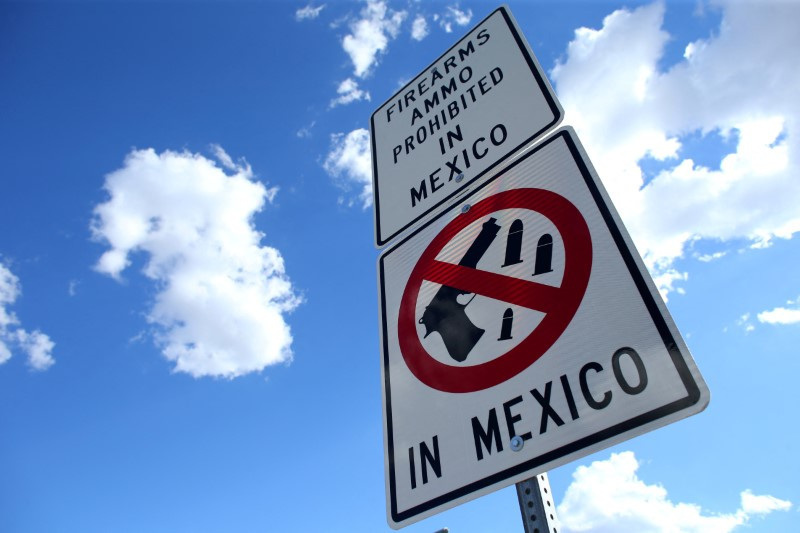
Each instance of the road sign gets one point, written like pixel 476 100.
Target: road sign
pixel 461 117
pixel 521 331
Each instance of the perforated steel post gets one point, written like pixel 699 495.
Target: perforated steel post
pixel 537 506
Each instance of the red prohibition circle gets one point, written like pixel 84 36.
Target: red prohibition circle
pixel 558 303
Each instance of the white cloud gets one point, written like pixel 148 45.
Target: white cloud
pixel 370 35
pixel 419 28
pixel 782 315
pixel 9 292
pixel 350 162
pixel 222 296
pixel 349 92
pixel 39 348
pixel 738 84
pixel 608 496
pixel 308 12
pixel 36 345
pixel 453 15
pixel 754 504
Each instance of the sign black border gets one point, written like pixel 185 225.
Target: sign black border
pixel 544 86
pixel 693 391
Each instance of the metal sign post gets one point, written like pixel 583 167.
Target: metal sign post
pixel 537 506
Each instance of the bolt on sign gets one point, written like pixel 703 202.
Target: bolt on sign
pixel 520 330
pixel 460 118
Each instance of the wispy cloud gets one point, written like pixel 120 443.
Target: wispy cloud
pixel 308 12
pixel 666 278
pixel 369 35
pixel 626 108
pixel 453 15
pixel 36 345
pixel 745 323
pixel 419 28
pixel 305 131
pixel 609 496
pixel 72 288
pixel 349 92
pixel 707 258
pixel 349 162
pixel 221 296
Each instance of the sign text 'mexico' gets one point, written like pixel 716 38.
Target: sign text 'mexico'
pixel 461 117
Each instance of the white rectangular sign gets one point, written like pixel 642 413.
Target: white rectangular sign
pixel 520 331
pixel 465 114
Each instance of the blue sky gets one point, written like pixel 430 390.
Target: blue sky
pixel 188 306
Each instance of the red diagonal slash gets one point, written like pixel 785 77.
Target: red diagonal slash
pixel 559 304
pixel 536 296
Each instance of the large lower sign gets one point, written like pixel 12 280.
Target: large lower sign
pixel 520 331
pixel 461 117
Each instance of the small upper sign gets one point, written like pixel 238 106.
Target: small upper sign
pixel 465 114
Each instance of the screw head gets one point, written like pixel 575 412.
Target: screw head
pixel 465 208
pixel 459 177
pixel 517 443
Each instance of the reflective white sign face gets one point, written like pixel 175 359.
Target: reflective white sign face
pixel 461 117
pixel 521 331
